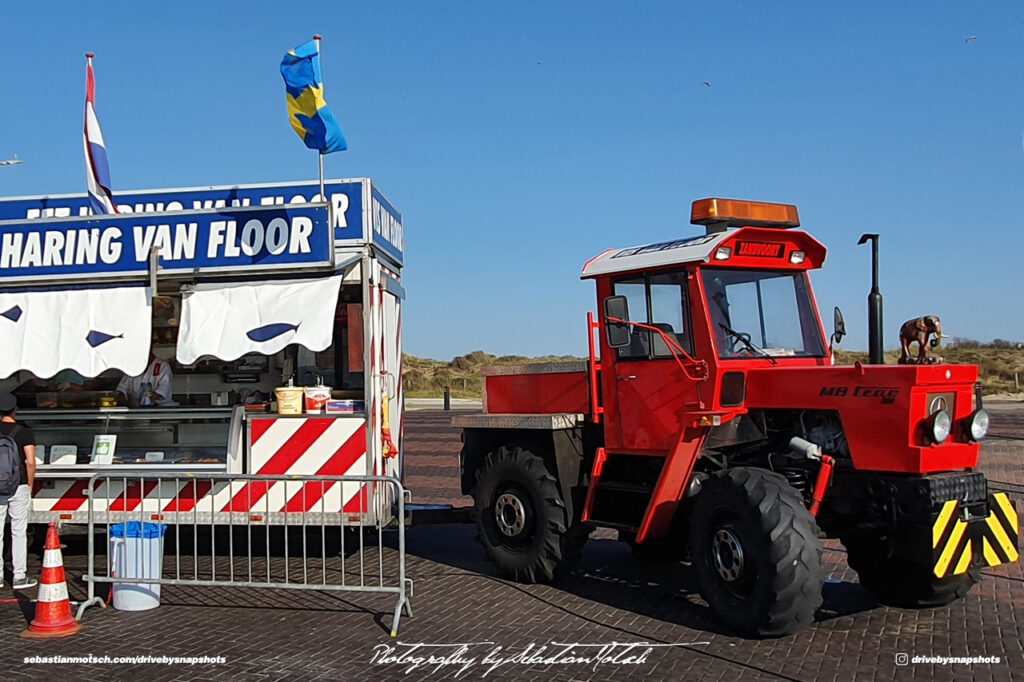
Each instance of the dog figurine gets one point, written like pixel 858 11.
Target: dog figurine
pixel 919 329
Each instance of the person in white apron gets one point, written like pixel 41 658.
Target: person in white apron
pixel 152 387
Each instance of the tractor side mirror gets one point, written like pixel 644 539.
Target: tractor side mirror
pixel 617 332
pixel 838 325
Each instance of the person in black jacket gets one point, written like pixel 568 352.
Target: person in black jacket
pixel 20 502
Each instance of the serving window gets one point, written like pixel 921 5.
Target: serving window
pixel 161 437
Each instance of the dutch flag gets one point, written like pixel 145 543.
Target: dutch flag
pixel 97 172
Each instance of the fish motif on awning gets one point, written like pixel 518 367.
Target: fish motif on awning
pixel 13 314
pixel 271 331
pixel 95 338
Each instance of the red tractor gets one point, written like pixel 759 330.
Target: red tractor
pixel 714 427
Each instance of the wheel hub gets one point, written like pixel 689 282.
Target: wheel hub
pixel 510 514
pixel 728 555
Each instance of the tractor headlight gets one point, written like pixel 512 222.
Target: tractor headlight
pixel 977 424
pixel 939 426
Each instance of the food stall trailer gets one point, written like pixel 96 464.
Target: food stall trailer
pixel 239 289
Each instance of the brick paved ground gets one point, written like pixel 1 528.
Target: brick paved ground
pixel 613 597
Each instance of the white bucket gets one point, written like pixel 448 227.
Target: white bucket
pixel 316 398
pixel 136 557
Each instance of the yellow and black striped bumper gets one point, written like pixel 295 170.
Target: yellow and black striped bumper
pixel 958 543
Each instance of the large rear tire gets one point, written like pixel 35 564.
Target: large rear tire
pixel 756 551
pixel 521 519
pixel 894 581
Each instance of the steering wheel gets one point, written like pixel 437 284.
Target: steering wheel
pixel 739 343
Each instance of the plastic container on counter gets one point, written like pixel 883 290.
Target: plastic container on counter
pixel 316 398
pixel 289 399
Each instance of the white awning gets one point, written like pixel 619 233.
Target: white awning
pixel 228 320
pixel 87 330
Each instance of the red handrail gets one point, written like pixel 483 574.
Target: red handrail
pixel 702 365
pixel 592 366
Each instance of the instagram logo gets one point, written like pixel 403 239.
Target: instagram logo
pixel 902 659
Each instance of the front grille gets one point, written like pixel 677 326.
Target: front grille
pixel 942 401
pixel 955 486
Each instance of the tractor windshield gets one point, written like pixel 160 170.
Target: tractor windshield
pixel 758 312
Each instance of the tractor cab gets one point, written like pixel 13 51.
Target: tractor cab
pixel 687 319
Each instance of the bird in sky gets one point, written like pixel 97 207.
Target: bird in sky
pixel 11 162
pixel 539 63
pixel 970 38
pixel 706 83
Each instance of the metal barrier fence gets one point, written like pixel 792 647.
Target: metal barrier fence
pixel 310 549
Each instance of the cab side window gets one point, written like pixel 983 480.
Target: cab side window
pixel 667 294
pixel 635 291
pixel 660 301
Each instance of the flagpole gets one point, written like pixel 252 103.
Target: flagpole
pixel 85 133
pixel 317 38
pixel 322 197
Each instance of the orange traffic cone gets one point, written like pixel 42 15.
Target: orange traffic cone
pixel 53 610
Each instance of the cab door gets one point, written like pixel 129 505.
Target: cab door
pixel 652 390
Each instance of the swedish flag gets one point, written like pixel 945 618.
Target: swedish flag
pixel 307 111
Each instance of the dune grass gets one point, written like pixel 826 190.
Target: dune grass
pixel 1001 367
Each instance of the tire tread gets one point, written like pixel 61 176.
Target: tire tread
pixel 561 546
pixel 796 572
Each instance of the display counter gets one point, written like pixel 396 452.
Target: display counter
pixel 157 438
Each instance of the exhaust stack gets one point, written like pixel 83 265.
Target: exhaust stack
pixel 875 352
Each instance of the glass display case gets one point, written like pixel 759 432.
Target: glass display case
pixel 178 439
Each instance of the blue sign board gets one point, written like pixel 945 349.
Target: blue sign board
pixel 359 212
pixel 270 237
pixel 386 223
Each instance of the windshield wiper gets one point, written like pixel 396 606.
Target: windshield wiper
pixel 745 340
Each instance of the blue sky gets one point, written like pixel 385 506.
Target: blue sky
pixel 520 139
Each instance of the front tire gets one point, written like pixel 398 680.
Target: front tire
pixel 521 519
pixel 894 581
pixel 756 551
